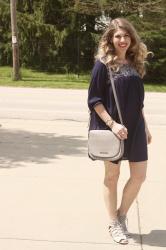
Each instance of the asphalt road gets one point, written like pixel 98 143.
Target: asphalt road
pixel 54 104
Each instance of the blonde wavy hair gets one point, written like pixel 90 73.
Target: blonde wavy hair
pixel 136 53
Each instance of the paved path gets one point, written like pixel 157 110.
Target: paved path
pixel 51 193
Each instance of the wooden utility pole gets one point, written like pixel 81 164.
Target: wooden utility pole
pixel 15 47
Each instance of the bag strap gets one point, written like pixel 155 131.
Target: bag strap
pixel 115 94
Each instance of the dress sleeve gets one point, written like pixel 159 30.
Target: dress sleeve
pixel 142 94
pixel 96 92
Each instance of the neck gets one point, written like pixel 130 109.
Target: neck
pixel 121 57
pixel 122 60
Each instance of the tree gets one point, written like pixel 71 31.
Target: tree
pixel 61 35
pixel 127 7
pixel 5 34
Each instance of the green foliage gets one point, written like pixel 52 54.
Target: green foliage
pixel 156 41
pixel 60 35
pixel 41 38
pixel 5 34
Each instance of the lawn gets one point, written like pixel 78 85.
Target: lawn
pixel 31 78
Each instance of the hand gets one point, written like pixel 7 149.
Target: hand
pixel 148 136
pixel 119 130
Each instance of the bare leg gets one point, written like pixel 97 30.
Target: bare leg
pixel 110 188
pixel 132 187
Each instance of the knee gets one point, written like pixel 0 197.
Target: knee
pixel 111 179
pixel 138 178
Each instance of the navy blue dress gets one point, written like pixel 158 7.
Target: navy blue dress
pixel 130 93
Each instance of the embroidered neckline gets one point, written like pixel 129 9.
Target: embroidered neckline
pixel 125 70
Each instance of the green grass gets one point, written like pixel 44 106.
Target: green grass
pixel 155 88
pixel 32 78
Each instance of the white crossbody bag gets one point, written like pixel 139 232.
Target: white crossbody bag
pixel 104 144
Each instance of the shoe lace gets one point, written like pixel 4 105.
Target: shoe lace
pixel 116 229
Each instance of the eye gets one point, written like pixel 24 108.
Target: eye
pixel 118 36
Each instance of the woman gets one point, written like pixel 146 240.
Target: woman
pixel 121 49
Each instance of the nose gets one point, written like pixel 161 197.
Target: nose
pixel 122 39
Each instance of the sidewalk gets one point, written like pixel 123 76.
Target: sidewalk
pixel 51 193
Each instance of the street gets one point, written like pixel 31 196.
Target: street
pixel 52 193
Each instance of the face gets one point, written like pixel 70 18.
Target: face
pixel 121 41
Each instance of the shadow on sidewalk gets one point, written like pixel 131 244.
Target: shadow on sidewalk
pixel 21 146
pixel 154 238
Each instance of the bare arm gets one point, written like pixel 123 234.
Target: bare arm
pixel 146 125
pixel 117 128
pixel 148 134
pixel 103 114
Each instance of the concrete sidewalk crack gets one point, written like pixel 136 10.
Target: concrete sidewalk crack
pixel 139 224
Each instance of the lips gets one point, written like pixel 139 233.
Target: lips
pixel 122 45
